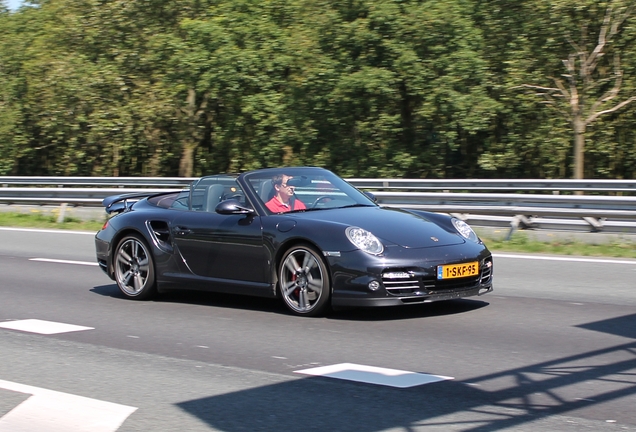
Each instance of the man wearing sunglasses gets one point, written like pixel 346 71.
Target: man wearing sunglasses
pixel 284 199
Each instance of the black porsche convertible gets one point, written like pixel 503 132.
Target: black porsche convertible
pixel 301 233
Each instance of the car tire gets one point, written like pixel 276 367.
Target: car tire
pixel 303 281
pixel 134 268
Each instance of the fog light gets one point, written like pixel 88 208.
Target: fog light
pixel 374 285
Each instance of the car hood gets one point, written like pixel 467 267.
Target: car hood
pixel 391 226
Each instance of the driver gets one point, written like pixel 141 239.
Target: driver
pixel 284 200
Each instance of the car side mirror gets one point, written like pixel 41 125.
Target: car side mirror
pixel 371 196
pixel 232 206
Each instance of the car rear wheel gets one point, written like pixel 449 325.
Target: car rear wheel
pixel 304 281
pixel 134 268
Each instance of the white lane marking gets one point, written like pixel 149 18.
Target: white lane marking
pixel 555 258
pixel 374 375
pixel 53 411
pixel 56 231
pixel 42 327
pixel 58 261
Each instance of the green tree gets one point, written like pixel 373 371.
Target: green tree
pixel 586 92
pixel 407 89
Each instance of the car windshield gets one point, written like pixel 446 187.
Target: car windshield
pixel 304 189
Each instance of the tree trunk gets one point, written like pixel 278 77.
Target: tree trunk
pixel 579 147
pixel 186 164
pixel 116 161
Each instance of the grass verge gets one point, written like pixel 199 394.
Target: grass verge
pixel 47 220
pixel 615 247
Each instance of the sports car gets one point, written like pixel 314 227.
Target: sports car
pixel 324 244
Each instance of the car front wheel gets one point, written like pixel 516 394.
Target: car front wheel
pixel 134 268
pixel 304 281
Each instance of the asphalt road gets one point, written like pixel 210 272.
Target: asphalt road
pixel 552 348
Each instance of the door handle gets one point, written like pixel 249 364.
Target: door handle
pixel 182 231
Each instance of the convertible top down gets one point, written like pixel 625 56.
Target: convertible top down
pixel 300 233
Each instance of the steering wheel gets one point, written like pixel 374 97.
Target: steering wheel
pixel 320 198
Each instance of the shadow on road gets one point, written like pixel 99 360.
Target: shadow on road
pixel 108 291
pixel 446 307
pixel 242 302
pixel 522 398
pixel 624 326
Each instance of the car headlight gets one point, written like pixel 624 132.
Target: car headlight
pixel 465 230
pixel 364 240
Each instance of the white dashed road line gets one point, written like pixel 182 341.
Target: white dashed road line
pixel 56 231
pixel 374 375
pixel 58 261
pixel 53 411
pixel 42 327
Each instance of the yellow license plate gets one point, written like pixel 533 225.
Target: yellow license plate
pixel 458 270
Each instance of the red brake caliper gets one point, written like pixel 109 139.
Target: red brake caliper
pixel 297 290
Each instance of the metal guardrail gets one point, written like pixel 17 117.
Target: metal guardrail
pixel 528 185
pixel 74 196
pixel 60 181
pixel 530 203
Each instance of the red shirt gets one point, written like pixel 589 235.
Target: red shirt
pixel 278 207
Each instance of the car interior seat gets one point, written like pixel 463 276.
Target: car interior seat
pixel 214 194
pixel 266 190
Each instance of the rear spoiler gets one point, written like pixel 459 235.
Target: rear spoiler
pixel 120 203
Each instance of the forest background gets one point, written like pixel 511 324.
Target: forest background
pixel 366 88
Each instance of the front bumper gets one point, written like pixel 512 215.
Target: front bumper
pixel 354 275
pixel 400 301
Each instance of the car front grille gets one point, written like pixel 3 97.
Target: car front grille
pixel 398 284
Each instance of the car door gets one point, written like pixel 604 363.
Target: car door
pixel 228 247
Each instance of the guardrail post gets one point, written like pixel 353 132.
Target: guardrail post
pixel 516 221
pixel 596 224
pixel 60 217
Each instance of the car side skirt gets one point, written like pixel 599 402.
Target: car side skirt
pixel 176 281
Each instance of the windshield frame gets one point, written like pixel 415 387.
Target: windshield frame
pixel 310 183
